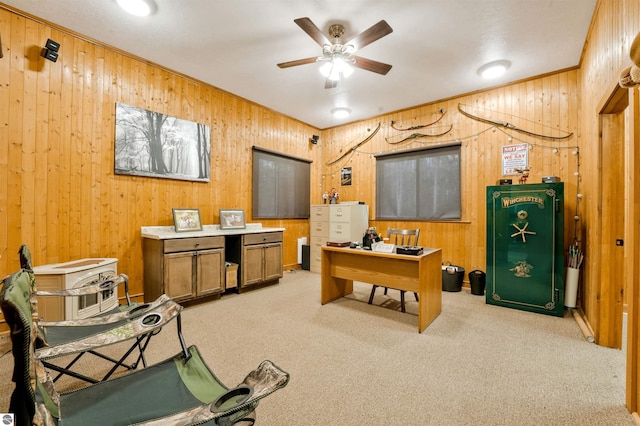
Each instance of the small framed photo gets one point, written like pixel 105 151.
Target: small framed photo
pixel 187 220
pixel 232 219
pixel 345 176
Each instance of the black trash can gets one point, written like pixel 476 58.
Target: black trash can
pixel 477 279
pixel 452 277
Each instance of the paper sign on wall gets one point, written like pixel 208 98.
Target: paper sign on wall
pixel 514 157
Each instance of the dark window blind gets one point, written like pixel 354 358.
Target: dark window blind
pixel 422 184
pixel 281 185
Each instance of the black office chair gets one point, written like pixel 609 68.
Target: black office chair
pixel 399 237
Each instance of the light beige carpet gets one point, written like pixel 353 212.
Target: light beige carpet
pixel 357 364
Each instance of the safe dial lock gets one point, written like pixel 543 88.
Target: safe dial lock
pixel 522 231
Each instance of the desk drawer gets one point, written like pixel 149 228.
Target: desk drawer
pixel 185 244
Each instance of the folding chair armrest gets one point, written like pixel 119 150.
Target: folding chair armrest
pixel 109 283
pixel 265 379
pixel 140 324
pixel 134 312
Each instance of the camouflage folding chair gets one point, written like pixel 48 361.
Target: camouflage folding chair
pixel 181 390
pixel 84 336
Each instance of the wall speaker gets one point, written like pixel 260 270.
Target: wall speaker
pixel 50 50
pixel 314 139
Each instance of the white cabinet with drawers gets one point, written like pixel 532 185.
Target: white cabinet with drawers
pixel 336 223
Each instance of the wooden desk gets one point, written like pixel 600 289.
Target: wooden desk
pixel 419 274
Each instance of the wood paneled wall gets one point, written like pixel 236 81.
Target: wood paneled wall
pixel 546 105
pixel 58 191
pixel 606 54
pixel 59 195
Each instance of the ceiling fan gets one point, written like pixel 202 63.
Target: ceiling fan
pixel 338 57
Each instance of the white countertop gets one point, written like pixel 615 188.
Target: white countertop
pixel 168 232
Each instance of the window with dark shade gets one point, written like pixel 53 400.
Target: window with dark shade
pixel 281 185
pixel 421 184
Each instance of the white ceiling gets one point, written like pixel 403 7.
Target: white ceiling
pixel 435 48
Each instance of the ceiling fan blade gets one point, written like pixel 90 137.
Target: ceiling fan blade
pixel 330 84
pixel 374 33
pixel 298 62
pixel 313 31
pixel 371 65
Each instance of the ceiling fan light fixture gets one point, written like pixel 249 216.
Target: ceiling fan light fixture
pixel 138 7
pixel 494 69
pixel 346 70
pixel 335 69
pixel 325 69
pixel 340 112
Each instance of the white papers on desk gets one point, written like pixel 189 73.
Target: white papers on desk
pixel 381 247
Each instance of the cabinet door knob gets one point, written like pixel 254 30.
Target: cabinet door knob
pixel 197 245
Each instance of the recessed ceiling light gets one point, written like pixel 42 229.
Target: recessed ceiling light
pixel 138 7
pixel 494 69
pixel 340 112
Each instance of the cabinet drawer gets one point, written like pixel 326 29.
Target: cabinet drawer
pixel 186 244
pixel 319 229
pixel 319 213
pixel 315 254
pixel 315 266
pixel 317 241
pixel 340 232
pixel 267 237
pixel 339 213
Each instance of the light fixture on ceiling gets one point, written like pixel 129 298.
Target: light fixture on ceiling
pixel 138 7
pixel 340 112
pixel 336 68
pixel 494 69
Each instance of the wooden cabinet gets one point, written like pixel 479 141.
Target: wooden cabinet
pixel 183 268
pixel 261 258
pixel 192 267
pixel 336 223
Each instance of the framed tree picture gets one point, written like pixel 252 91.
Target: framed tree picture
pixel 153 144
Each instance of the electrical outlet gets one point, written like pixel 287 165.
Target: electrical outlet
pixel 619 242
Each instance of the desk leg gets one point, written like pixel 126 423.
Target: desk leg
pixel 430 303
pixel 335 288
pixel 332 288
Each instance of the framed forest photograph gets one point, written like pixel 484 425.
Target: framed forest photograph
pixel 153 144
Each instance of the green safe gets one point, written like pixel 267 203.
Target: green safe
pixel 525 247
